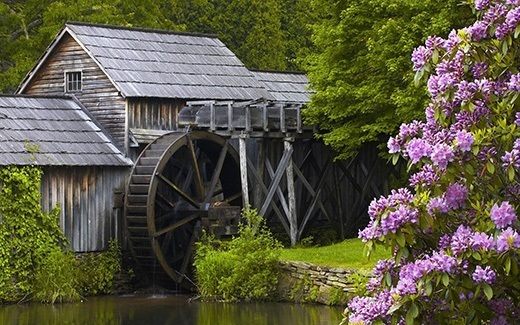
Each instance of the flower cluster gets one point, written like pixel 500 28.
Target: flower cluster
pixel 456 228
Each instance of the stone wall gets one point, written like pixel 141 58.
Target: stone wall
pixel 306 282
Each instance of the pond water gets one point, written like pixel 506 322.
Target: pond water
pixel 168 309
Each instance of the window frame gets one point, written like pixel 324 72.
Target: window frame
pixel 76 82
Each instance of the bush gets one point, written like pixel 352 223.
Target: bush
pixel 244 268
pixel 454 231
pixel 96 272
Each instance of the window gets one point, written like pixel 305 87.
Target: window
pixel 72 81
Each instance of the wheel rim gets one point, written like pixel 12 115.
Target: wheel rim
pixel 195 170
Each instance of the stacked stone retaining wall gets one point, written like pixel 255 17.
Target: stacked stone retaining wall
pixel 306 282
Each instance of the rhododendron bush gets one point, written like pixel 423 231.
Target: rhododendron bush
pixel 455 229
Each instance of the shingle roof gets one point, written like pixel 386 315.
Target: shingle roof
pixel 52 131
pixel 289 87
pixel 155 63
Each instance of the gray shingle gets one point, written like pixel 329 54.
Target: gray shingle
pixel 151 63
pixel 285 86
pixel 59 131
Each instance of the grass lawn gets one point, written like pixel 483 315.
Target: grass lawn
pixel 347 254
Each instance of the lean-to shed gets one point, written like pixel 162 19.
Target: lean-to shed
pixel 83 171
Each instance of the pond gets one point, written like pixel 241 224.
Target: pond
pixel 168 309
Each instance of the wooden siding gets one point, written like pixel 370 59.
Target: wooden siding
pixel 154 113
pixel 98 94
pixel 91 211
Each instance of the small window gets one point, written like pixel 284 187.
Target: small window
pixel 73 81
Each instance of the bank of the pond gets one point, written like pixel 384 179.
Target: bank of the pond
pixel 304 282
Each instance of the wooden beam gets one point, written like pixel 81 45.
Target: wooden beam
pixel 293 218
pixel 243 169
pixel 260 182
pixel 212 117
pixel 276 180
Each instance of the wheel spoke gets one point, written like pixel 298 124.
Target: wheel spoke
pixel 198 176
pixel 180 192
pixel 176 225
pixel 216 174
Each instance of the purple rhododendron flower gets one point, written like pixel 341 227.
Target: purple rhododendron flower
pixel 481 4
pixel 464 140
pixel 419 57
pixel 368 309
pixel 441 155
pixel 417 148
pixel 456 195
pixel 514 82
pixel 503 215
pixel 482 241
pixel 486 275
pixel 460 241
pixel 508 239
pixel 393 145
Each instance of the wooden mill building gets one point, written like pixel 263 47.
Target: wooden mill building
pixel 176 135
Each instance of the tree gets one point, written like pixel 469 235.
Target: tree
pixel 360 71
pixel 455 229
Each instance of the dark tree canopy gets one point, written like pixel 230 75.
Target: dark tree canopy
pixel 361 71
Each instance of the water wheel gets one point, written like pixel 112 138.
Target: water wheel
pixel 173 184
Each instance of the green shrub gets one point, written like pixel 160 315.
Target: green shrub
pixel 245 268
pixel 56 279
pixel 96 273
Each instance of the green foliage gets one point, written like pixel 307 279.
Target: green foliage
pixel 244 268
pixel 28 235
pixel 34 262
pixel 361 71
pixel 96 272
pixel 56 280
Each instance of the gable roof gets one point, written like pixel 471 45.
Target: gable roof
pixel 52 131
pixel 290 87
pixel 163 64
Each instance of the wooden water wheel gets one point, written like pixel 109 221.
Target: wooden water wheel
pixel 173 184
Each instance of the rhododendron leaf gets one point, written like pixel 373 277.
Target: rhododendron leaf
pixel 507 265
pixel 445 279
pixel 511 173
pixel 395 159
pixel 490 167
pixel 517 31
pixel 412 313
pixel 400 239
pixel 488 291
pixel 428 288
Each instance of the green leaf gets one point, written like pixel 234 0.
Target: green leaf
pixel 445 279
pixel 400 239
pixel 412 313
pixel 490 167
pixel 511 173
pixel 488 291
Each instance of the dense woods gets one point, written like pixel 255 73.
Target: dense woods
pixel 357 53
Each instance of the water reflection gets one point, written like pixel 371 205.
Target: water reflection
pixel 167 309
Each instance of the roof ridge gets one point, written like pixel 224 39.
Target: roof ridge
pixel 279 71
pixel 142 29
